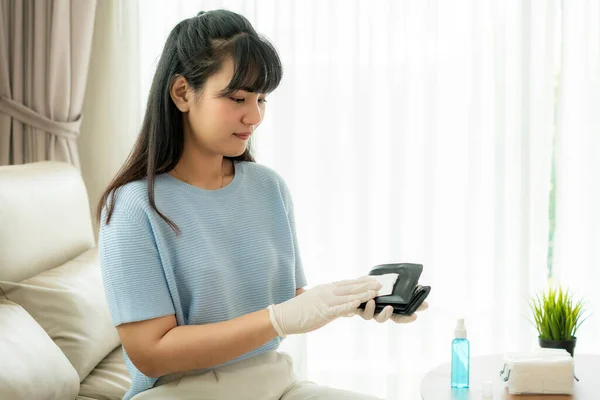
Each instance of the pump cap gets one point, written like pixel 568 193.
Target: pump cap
pixel 460 331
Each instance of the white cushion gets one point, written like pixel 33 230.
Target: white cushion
pixel 110 380
pixel 31 365
pixel 70 305
pixel 45 218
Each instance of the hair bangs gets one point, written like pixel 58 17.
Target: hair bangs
pixel 257 67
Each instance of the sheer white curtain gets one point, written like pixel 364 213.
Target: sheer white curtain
pixel 414 131
pixel 577 239
pixel 112 105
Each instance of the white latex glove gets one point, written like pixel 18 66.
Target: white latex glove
pixel 322 304
pixel 387 313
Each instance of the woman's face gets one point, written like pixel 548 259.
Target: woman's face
pixel 222 125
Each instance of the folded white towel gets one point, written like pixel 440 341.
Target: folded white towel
pixel 543 371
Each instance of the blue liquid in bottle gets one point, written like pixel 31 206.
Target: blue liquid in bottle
pixel 461 357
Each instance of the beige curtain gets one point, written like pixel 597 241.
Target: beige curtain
pixel 44 55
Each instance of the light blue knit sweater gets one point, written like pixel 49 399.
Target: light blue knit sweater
pixel 237 253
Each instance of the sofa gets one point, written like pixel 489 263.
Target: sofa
pixel 57 340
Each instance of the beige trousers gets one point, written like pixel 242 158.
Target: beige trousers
pixel 268 376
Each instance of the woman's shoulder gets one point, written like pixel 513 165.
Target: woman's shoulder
pixel 131 199
pixel 261 172
pixel 135 192
pixel 270 180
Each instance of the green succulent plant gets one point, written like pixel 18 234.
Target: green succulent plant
pixel 556 316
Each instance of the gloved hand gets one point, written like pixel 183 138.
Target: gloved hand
pixel 387 313
pixel 322 304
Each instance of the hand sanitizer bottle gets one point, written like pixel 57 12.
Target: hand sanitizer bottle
pixel 461 357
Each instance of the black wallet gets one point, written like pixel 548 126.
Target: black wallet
pixel 407 295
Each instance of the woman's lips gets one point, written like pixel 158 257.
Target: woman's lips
pixel 243 135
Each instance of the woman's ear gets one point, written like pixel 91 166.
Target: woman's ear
pixel 181 93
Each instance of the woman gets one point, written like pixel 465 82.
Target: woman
pixel 197 242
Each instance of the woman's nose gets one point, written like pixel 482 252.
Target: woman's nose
pixel 253 114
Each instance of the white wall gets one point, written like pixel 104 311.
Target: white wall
pixel 112 106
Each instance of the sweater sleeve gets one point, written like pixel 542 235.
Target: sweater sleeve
pixel 134 279
pixel 299 273
pixel 289 206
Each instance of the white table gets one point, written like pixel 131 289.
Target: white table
pixel 436 383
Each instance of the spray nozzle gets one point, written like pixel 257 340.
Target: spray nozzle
pixel 460 331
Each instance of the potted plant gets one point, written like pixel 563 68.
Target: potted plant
pixel 557 319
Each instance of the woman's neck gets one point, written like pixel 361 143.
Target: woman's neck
pixel 205 172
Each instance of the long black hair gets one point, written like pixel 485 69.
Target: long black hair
pixel 195 49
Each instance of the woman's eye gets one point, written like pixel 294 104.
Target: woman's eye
pixel 240 100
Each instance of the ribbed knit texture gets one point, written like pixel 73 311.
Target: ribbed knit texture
pixel 237 253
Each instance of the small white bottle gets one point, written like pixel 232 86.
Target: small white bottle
pixel 487 391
